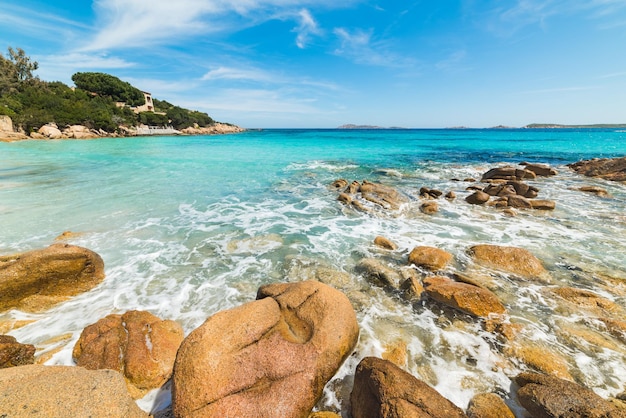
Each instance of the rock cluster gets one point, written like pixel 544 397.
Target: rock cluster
pixel 606 168
pixel 368 196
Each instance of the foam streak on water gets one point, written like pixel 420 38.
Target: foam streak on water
pixel 188 226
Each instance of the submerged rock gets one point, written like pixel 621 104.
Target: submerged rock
pixel 65 391
pixel 13 353
pixel 36 280
pixel 542 170
pixel 379 272
pixel 598 191
pixel 429 208
pixel 513 260
pixel 382 389
pixel 549 396
pixel 137 344
pixel 266 358
pixel 364 195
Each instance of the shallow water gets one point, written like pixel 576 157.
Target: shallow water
pixel 188 226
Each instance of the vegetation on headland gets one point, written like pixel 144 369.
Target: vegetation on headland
pixel 99 101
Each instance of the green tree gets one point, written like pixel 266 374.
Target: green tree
pixel 23 65
pixel 108 85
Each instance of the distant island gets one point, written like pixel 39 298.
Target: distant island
pixel 352 126
pixel 558 126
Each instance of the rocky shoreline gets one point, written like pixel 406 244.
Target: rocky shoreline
pixel 273 356
pixel 52 131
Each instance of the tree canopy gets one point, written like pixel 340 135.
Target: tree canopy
pixel 32 103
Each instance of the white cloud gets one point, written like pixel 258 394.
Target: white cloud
pixel 229 73
pixel 308 27
pixel 135 23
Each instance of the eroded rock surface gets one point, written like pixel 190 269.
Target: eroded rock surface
pixel 513 260
pixel 35 280
pixel 266 358
pixel 548 396
pixel 37 391
pixel 13 353
pixel 606 168
pixel 137 344
pixel 462 296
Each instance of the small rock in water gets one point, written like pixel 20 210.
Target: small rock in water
pixel 431 258
pixel 385 243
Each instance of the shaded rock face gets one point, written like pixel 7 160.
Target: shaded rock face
pixel 548 396
pixel 462 296
pixel 13 353
pixel 35 280
pixel 509 259
pixel 430 258
pixel 267 358
pixel 382 389
pixel 542 170
pixel 508 173
pixel 137 344
pixel 379 272
pixel 488 405
pixel 606 168
pixel 64 391
pixel 589 301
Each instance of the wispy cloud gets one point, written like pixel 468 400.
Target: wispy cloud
pixel 62 66
pixel 39 24
pixel 307 28
pixel 244 74
pixel 359 46
pixel 135 23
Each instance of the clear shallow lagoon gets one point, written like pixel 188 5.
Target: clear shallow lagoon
pixel 188 226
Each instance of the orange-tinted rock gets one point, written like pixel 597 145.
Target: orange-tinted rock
pixel 382 389
pixel 430 258
pixel 385 243
pixel 542 204
pixel 13 353
pixel 548 396
pixel 540 358
pixel 598 191
pixel 412 288
pixel 266 358
pixel 47 276
pixel 477 198
pixel 429 207
pixel 588 300
pixel 462 296
pixel 137 344
pixel 37 391
pixel 509 259
pixel 488 405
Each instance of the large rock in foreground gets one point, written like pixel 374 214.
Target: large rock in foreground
pixel 383 390
pixel 607 168
pixel 37 391
pixel 267 358
pixel 137 344
pixel 517 261
pixel 35 280
pixel 548 396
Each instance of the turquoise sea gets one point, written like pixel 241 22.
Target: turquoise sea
pixel 188 226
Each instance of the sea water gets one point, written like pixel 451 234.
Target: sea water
pixel 188 226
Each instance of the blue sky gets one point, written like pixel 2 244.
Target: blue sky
pixel 323 63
